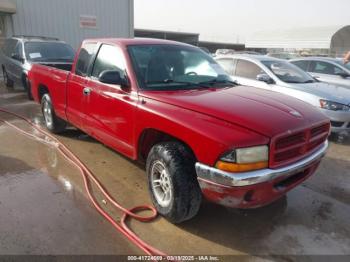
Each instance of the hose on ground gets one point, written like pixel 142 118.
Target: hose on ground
pixel 88 176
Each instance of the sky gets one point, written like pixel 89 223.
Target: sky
pixel 236 20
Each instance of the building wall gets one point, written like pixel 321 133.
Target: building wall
pixel 340 44
pixel 61 19
pixel 6 24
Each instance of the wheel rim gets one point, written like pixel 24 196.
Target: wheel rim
pixel 47 113
pixel 161 184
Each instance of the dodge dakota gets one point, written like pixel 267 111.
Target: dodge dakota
pixel 172 107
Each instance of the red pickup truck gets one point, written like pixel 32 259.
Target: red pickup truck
pixel 172 107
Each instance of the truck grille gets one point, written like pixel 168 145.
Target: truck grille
pixel 290 148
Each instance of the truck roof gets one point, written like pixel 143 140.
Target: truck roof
pixel 251 57
pixel 135 41
pixel 36 38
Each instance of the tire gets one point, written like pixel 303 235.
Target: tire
pixel 27 87
pixel 53 123
pixel 171 168
pixel 8 82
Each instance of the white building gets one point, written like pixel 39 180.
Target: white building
pixel 327 40
pixel 69 20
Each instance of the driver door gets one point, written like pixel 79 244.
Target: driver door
pixel 110 109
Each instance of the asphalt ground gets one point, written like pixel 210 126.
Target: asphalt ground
pixel 44 208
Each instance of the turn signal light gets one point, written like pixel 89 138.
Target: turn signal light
pixel 237 168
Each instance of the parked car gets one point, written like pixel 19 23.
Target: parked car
pixel 172 107
pixel 21 52
pixel 247 52
pixel 281 76
pixel 283 55
pixel 224 51
pixel 330 70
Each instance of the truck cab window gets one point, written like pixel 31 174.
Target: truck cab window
pixel 19 50
pixel 247 69
pixel 86 53
pixel 109 58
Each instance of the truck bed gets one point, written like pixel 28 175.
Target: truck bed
pixel 63 66
pixel 53 76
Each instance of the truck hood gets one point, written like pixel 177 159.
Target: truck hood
pixel 326 91
pixel 264 112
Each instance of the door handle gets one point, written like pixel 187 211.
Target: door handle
pixel 87 91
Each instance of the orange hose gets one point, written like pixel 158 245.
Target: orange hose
pixel 86 175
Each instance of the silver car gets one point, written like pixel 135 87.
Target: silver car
pixel 330 70
pixel 281 76
pixel 21 52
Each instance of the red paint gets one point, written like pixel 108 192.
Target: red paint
pixel 262 194
pixel 289 148
pixel 210 121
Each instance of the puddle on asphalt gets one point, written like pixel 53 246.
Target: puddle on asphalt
pixel 297 224
pixel 43 205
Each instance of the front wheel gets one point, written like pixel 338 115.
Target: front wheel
pixel 172 181
pixel 52 122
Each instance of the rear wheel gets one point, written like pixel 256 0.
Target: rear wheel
pixel 172 181
pixel 52 122
pixel 8 82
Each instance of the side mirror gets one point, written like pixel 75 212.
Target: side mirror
pixel 265 78
pixel 112 77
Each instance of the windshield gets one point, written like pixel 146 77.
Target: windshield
pixel 340 62
pixel 288 73
pixel 168 67
pixel 48 52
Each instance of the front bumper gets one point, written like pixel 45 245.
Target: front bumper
pixel 256 188
pixel 340 121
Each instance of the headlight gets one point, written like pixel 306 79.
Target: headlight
pixel 244 159
pixel 334 106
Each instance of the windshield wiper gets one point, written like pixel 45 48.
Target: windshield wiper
pixel 294 82
pixel 207 84
pixel 309 81
pixel 298 82
pixel 169 81
pixel 217 81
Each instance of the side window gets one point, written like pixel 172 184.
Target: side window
pixel 247 69
pixel 9 47
pixel 325 68
pixel 6 47
pixel 227 65
pixel 109 58
pixel 86 53
pixel 302 65
pixel 338 71
pixel 19 50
